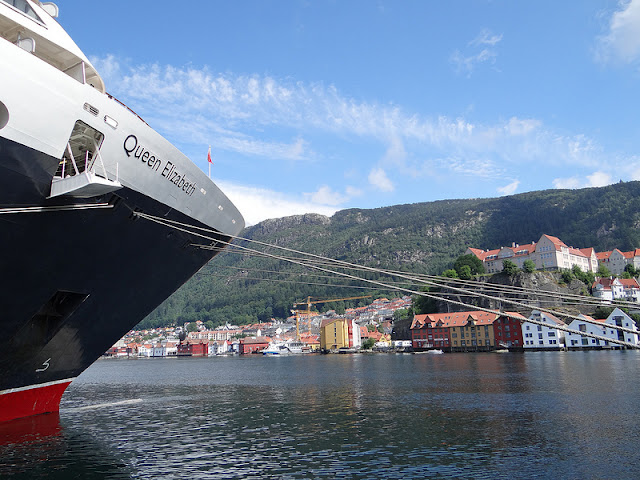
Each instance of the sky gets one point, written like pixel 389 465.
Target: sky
pixel 321 105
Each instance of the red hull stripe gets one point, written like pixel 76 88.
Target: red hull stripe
pixel 31 400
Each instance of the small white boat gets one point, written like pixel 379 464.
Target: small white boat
pixel 435 352
pixel 276 348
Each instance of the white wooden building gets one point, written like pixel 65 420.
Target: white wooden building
pixel 539 337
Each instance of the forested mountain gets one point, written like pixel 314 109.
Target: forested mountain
pixel 420 238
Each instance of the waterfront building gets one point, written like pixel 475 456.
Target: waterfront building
pixel 507 330
pixel 619 318
pixel 575 341
pixel 193 348
pixel 401 344
pixel 145 350
pixel 219 347
pixel 336 333
pixel 429 331
pixel 472 331
pixel 542 337
pixel 457 331
pixel 253 345
pixel 159 350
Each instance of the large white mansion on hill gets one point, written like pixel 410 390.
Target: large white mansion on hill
pixel 551 253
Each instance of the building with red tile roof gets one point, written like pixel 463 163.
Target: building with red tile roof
pixel 612 288
pixel 548 253
pixel 616 260
pixel 465 331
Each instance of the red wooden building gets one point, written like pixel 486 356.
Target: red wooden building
pixel 429 331
pixel 507 331
pixel 194 348
pixel 253 345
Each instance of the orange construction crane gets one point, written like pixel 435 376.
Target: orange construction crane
pixel 309 302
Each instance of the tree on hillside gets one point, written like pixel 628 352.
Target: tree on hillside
pixel 450 273
pixel 401 314
pixel 465 272
pixel 631 270
pixel 528 266
pixel 566 276
pixel 509 267
pixel 585 277
pixel 423 305
pixel 474 263
pixel 192 327
pixel 603 271
pixel 602 312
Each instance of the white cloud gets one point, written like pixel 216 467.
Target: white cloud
pixel 378 178
pixel 571 183
pixel 599 179
pixel 519 127
pixel 353 192
pixel 325 196
pixel 622 41
pixel 258 204
pixel 482 51
pixel 396 152
pixel 509 189
pixel 486 37
pixel 264 117
pixel 596 179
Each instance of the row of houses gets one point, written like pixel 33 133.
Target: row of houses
pixel 483 331
pixel 551 253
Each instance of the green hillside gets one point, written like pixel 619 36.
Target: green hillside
pixel 420 238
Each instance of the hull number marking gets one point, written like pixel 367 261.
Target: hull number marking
pixel 45 365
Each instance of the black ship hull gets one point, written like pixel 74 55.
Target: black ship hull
pixel 75 280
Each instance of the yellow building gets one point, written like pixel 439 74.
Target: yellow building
pixel 472 330
pixel 334 334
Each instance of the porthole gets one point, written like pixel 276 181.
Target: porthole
pixel 4 116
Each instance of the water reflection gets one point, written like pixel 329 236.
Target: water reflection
pixel 547 415
pixel 40 447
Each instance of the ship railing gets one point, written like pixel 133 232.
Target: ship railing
pixel 84 181
pixel 127 107
pixel 88 163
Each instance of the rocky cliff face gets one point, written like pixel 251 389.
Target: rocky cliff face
pixel 274 225
pixel 537 289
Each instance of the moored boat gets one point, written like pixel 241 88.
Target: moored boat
pixel 80 175
pixel 276 348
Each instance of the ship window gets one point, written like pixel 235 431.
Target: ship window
pixel 4 116
pixel 24 7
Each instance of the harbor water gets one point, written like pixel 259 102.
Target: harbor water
pixel 569 415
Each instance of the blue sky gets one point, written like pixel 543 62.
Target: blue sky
pixel 317 106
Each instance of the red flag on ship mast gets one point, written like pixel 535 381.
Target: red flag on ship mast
pixel 209 161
